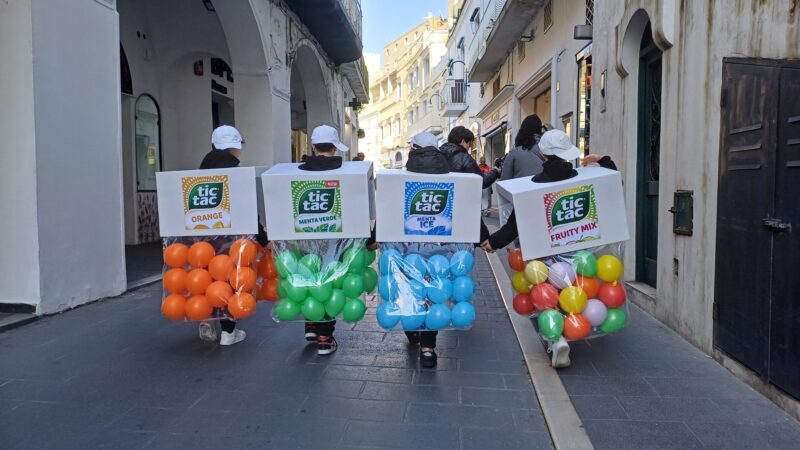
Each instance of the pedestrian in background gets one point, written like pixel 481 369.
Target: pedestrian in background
pixel 524 160
pixel 486 194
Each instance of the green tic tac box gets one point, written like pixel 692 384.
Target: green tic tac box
pixel 330 204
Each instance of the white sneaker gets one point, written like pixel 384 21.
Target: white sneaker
pixel 232 338
pixel 208 331
pixel 559 354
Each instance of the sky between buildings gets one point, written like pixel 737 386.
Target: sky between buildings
pixel 386 20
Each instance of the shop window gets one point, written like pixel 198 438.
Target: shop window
pixel 148 143
pixel 589 12
pixel 584 59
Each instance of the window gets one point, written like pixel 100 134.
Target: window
pixel 399 130
pixel 476 15
pixel 148 143
pixel 520 51
pixel 589 12
pixel 496 86
pixel 548 15
pixel 425 106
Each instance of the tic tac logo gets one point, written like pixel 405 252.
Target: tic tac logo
pixel 429 202
pixel 205 196
pixel 571 216
pixel 316 201
pixel 317 206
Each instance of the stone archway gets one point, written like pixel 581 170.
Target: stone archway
pixel 310 101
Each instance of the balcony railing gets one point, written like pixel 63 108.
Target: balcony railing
pixel 353 9
pixel 454 97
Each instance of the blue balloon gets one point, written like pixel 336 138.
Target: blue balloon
pixel 463 315
pixel 388 315
pixel 388 256
pixel 440 290
pixel 412 321
pixel 461 263
pixel 463 289
pixel 388 288
pixel 418 289
pixel 439 266
pixel 415 266
pixel 438 317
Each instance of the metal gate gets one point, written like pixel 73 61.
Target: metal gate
pixel 757 292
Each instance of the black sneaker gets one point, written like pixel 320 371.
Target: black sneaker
pixel 427 358
pixel 326 345
pixel 311 333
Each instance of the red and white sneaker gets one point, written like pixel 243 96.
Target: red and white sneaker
pixel 326 345
pixel 311 333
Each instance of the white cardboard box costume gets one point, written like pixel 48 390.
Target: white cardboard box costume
pixel 331 204
pixel 564 216
pixel 418 207
pixel 211 202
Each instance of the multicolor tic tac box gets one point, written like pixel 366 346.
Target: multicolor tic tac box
pixel 207 202
pixel 581 212
pixel 416 207
pixel 331 204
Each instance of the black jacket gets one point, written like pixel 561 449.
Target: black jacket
pixel 427 160
pixel 553 170
pixel 219 159
pixel 461 161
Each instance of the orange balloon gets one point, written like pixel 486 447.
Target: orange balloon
pixel 515 260
pixel 175 281
pixel 243 252
pixel 198 308
pixel 576 327
pixel 218 293
pixel 174 307
pixel 589 285
pixel 220 267
pixel 242 305
pixel 269 290
pixel 266 267
pixel 200 254
pixel 197 281
pixel 243 279
pixel 175 255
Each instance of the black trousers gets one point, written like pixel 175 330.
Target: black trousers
pixel 227 325
pixel 427 339
pixel 323 328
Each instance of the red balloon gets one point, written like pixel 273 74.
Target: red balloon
pixel 576 327
pixel 544 296
pixel 589 285
pixel 612 295
pixel 523 304
pixel 515 260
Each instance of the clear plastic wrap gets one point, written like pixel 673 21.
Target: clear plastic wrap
pixel 426 286
pixel 321 279
pixel 212 277
pixel 577 295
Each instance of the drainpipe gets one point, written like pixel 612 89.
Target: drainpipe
pixel 553 89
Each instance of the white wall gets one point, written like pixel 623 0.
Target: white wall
pixel 19 258
pixel 78 152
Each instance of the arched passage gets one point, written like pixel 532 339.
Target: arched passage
pixel 310 99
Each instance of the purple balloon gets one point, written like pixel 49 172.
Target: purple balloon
pixel 595 312
pixel 561 275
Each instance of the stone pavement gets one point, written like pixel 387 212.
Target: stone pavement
pixel 115 374
pixel 646 387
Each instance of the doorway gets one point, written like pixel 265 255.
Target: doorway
pixel 756 309
pixel 222 110
pixel 647 160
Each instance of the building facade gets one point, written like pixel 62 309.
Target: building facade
pixel 106 93
pixel 405 93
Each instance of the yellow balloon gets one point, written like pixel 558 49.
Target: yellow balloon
pixel 520 284
pixel 536 272
pixel 609 268
pixel 572 300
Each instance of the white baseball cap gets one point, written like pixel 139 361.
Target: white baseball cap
pixel 326 134
pixel 225 137
pixel 557 143
pixel 424 139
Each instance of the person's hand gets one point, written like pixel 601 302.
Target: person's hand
pixel 590 159
pixel 486 246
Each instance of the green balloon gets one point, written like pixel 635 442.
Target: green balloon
pixel 297 290
pixel 321 292
pixel 283 287
pixel 287 310
pixel 355 258
pixel 551 324
pixel 312 262
pixel 286 263
pixel 371 256
pixel 335 305
pixel 353 285
pixel 312 310
pixel 354 310
pixel 334 273
pixel 585 263
pixel 370 279
pixel 615 320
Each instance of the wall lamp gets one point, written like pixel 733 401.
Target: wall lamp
pixel 527 38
